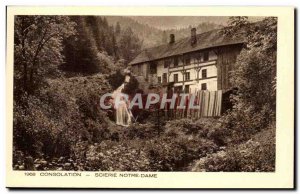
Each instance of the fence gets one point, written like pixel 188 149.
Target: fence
pixel 209 104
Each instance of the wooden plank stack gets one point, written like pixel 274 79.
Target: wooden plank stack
pixel 209 102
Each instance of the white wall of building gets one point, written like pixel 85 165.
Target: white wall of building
pixel 211 71
pixel 195 84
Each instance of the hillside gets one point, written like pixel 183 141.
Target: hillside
pixel 179 22
pixel 153 36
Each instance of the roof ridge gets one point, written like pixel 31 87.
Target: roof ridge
pixel 207 39
pixel 181 39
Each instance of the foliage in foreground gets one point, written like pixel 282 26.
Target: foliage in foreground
pixel 63 113
pixel 254 75
pixel 179 146
pixel 125 149
pixel 256 154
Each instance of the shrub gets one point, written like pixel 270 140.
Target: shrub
pixel 257 154
pixel 133 152
pixel 169 154
pixel 113 156
pixel 254 76
pixel 242 123
pixel 66 111
pixel 131 87
pixel 183 127
pixel 34 132
pixel 116 79
pixel 140 131
pixel 203 128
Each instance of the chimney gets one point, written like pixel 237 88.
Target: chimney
pixel 172 38
pixel 193 36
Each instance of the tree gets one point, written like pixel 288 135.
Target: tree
pixel 255 73
pixel 164 37
pixel 118 28
pixel 38 48
pixel 129 45
pixel 235 25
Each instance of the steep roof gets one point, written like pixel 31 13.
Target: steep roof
pixel 204 40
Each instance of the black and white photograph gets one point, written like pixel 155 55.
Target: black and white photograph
pixel 142 93
pixel 158 97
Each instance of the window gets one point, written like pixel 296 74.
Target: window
pixel 205 56
pixel 187 59
pixel 165 80
pixel 159 79
pixel 175 77
pixel 204 73
pixel 203 86
pixel 166 63
pixel 187 76
pixel 153 67
pixel 175 61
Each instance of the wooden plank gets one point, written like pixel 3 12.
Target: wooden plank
pixel 211 103
pixel 205 103
pixel 201 104
pixel 187 107
pixel 195 110
pixel 192 111
pixel 219 103
pixel 215 104
pixel 188 111
pixel 196 103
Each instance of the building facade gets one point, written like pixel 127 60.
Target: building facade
pixel 199 62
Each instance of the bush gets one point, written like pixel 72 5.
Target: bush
pixel 242 123
pixel 202 128
pixel 254 76
pixel 257 154
pixel 116 79
pixel 169 154
pixel 140 148
pixel 184 127
pixel 131 87
pixel 140 131
pixel 116 156
pixel 63 113
pixel 34 132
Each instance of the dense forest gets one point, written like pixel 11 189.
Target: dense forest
pixel 151 36
pixel 104 44
pixel 62 65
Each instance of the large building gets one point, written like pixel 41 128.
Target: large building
pixel 199 62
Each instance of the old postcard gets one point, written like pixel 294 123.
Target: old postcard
pixel 150 97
